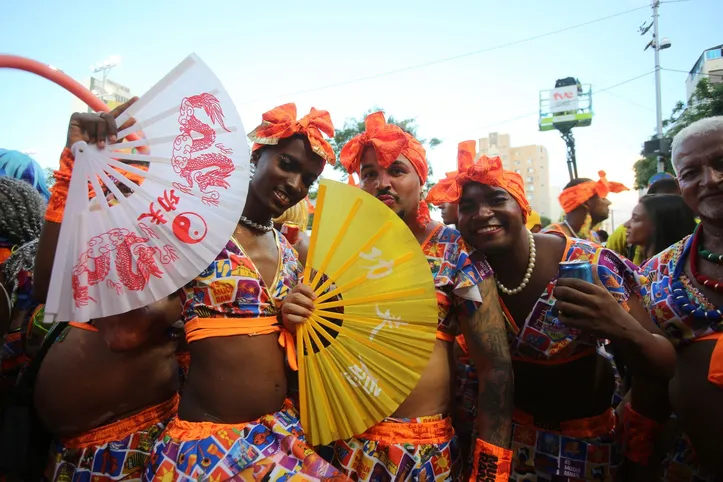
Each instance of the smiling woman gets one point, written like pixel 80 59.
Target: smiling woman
pixel 553 324
pixel 231 317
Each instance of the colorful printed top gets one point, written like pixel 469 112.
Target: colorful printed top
pixel 563 229
pixel 232 288
pixel 542 336
pixel 455 277
pixel 664 274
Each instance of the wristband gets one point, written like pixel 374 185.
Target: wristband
pixel 491 463
pixel 58 198
pixel 639 435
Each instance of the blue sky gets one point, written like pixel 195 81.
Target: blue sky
pixel 266 56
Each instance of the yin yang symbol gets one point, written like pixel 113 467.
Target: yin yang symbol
pixel 189 228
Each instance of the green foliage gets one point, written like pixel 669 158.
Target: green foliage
pixel 355 126
pixel 49 179
pixel 545 221
pixel 706 101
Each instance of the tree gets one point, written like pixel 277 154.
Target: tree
pixel 706 101
pixel 545 221
pixel 355 126
pixel 49 179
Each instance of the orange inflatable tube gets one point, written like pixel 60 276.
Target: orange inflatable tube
pixel 58 77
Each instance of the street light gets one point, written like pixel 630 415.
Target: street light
pixel 104 68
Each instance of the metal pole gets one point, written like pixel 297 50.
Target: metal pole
pixel 658 100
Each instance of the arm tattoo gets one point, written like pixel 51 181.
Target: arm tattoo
pixel 485 333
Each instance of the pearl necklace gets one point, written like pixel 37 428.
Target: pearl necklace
pixel 265 228
pixel 528 273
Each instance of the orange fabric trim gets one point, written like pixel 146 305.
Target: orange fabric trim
pixel 434 432
pixel 183 359
pixel 83 326
pixel 715 369
pixel 713 336
pixel 462 342
pixel 490 462
pixel 125 427
pixel 444 336
pixel 201 328
pixel 590 427
pixel 184 430
pixel 5 254
pixel 639 435
pixel 573 197
pixel 59 196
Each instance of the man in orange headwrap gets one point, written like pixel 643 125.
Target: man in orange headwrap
pixel 586 205
pixel 418 440
pixel 557 421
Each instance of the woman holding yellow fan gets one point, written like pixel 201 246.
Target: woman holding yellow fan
pixel 235 420
pixel 417 441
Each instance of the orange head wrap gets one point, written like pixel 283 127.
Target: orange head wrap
pixel 389 142
pixel 280 123
pixel 486 170
pixel 575 196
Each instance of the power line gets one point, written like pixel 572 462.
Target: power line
pixel 631 102
pixel 688 72
pixel 454 57
pixel 594 91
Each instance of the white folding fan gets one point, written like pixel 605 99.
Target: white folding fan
pixel 117 256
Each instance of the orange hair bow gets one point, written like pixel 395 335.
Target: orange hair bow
pixel 486 170
pixel 280 123
pixel 389 142
pixel 573 197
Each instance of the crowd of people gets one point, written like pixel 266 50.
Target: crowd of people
pixel 533 376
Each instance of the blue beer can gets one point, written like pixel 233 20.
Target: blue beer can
pixel 576 269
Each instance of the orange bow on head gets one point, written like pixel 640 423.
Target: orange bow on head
pixel 389 142
pixel 573 197
pixel 280 123
pixel 486 171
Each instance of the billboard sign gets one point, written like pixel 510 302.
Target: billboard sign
pixel 563 99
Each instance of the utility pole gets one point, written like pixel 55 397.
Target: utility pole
pixel 658 100
pixel 657 46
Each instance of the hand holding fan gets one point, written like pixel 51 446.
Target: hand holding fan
pixel 180 212
pixel 372 331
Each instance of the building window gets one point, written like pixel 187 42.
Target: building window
pixel 530 169
pixel 530 188
pixel 713 54
pixel 517 171
pixel 517 163
pixel 530 179
pixel 529 161
pixel 530 197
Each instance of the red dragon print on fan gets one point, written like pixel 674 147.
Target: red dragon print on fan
pixel 208 170
pixel 127 246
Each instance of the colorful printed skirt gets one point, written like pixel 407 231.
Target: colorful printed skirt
pixel 271 448
pixel 117 451
pixel 681 464
pixel 423 448
pixel 583 449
